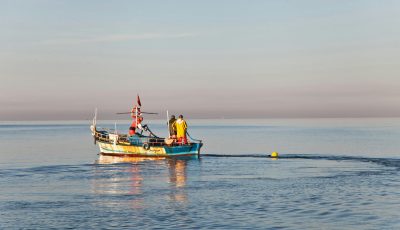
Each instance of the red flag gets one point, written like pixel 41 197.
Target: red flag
pixel 138 100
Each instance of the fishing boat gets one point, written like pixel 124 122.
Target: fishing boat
pixel 112 143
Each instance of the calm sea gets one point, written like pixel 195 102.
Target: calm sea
pixel 332 174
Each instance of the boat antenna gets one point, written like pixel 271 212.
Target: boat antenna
pixel 169 134
pixel 115 128
pixel 93 126
pixel 95 118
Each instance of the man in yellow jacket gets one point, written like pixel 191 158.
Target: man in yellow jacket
pixel 181 130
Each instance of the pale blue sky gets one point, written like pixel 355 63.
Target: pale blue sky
pixel 61 59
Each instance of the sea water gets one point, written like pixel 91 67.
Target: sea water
pixel 331 174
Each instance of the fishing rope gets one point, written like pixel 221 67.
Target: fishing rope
pixel 192 137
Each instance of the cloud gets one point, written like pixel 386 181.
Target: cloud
pixel 117 38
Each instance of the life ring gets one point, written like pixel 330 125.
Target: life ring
pixel 146 146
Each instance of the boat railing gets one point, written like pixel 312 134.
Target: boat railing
pixel 103 134
pixel 151 141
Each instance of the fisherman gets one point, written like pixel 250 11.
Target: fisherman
pixel 181 130
pixel 136 120
pixel 171 126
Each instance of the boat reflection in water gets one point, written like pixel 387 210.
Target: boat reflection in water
pixel 177 179
pixel 140 179
pixel 104 159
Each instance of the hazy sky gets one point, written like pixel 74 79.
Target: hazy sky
pixel 62 59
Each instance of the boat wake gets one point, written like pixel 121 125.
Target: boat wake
pixel 387 162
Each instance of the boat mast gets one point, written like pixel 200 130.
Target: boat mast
pixel 136 111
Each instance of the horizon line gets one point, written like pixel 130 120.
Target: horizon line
pixel 217 118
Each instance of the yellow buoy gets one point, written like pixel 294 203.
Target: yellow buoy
pixel 274 155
